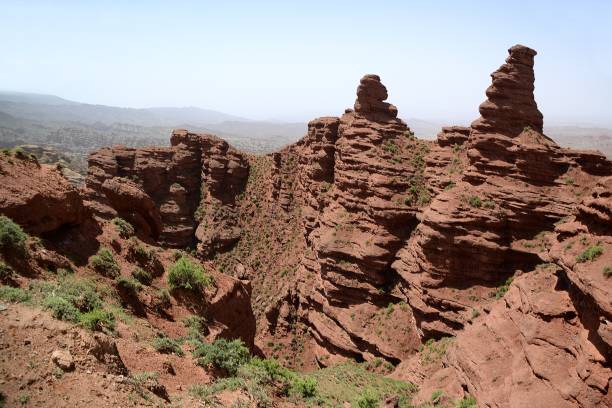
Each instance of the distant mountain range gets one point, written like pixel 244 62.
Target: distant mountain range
pixel 49 120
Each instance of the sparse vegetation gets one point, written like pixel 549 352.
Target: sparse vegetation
pixel 367 399
pixel 128 284
pixel 98 320
pixel 501 290
pixel 187 275
pixel 390 147
pixel 166 345
pixel 607 271
pixel 449 186
pixel 124 228
pixel 591 253
pixel 104 263
pixel 466 402
pixel 61 308
pixel 12 237
pixel 5 271
pixel 475 201
pixel 305 387
pixel 162 300
pixel 15 295
pixel 223 354
pixel 195 324
pixel 433 350
pixel 142 276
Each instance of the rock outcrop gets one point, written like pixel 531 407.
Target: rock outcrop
pixel 37 196
pixel 168 191
pixel 517 184
pixel 361 180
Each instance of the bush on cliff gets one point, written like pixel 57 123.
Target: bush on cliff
pixel 187 275
pixel 223 354
pixel 11 235
pixel 104 263
pixel 124 228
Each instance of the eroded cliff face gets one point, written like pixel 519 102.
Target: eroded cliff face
pixel 177 195
pixel 362 179
pixel 408 241
pixel 517 184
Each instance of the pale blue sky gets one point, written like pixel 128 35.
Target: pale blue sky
pixel 297 60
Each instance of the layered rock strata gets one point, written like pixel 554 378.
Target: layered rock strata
pixel 169 191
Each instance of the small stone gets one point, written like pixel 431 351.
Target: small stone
pixel 63 359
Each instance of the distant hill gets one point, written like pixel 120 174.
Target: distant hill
pixel 78 128
pixel 52 108
pixel 32 98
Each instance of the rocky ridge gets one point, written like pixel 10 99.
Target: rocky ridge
pixel 474 265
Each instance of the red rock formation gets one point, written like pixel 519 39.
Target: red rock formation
pixel 163 190
pixel 510 106
pixel 516 186
pixel 361 177
pixel 37 196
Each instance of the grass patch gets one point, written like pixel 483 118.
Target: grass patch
pixel 104 263
pixel 607 271
pixel 12 235
pixel 591 253
pixel 348 382
pixel 187 275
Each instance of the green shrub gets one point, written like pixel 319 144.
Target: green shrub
pixel 466 402
pixel 5 271
pixel 305 387
pixel 607 271
pixel 142 276
pixel 62 309
pixel 188 275
pixel 223 354
pixel 162 300
pixel 15 295
pixel 269 373
pixel 166 345
pixel 195 324
pixel 124 228
pixel 104 263
pixel 501 291
pixel 98 320
pixel 11 235
pixel 475 201
pixel 436 395
pixel 589 254
pixel 128 284
pixel 80 292
pixel 367 399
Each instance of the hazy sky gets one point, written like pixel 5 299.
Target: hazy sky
pixel 297 60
